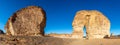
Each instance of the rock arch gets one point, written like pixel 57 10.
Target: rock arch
pixel 97 25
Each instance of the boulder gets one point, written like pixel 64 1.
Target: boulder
pixel 97 25
pixel 27 21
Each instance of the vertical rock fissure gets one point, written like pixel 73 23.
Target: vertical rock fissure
pixel 87 25
pixel 84 31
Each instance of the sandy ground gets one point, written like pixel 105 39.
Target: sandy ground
pixel 96 42
pixel 38 40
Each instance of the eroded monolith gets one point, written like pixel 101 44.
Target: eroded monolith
pixel 97 25
pixel 27 21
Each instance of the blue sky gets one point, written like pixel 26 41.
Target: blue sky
pixel 60 13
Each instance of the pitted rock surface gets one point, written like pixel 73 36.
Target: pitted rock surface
pixel 27 21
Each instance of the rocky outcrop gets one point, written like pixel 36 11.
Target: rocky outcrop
pixel 96 24
pixel 60 35
pixel 1 32
pixel 27 21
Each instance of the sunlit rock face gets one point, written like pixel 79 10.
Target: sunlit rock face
pixel 27 21
pixel 96 24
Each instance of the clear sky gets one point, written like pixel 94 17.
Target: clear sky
pixel 60 13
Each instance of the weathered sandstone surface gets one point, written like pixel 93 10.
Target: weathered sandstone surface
pixel 97 25
pixel 27 21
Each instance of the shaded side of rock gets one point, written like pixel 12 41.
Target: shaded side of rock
pixel 1 32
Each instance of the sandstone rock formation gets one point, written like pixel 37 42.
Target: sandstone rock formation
pixel 27 21
pixel 1 32
pixel 96 24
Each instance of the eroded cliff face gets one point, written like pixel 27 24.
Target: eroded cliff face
pixel 96 24
pixel 27 21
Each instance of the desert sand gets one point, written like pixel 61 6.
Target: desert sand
pixel 97 42
pixel 38 40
